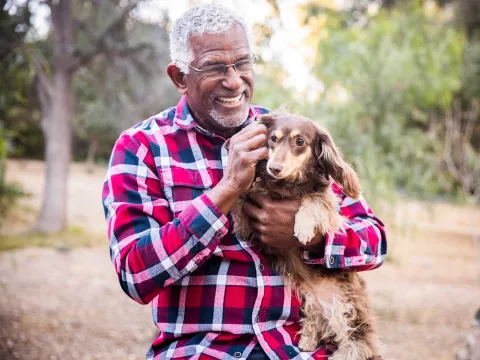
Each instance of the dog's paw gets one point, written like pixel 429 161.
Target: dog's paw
pixel 304 229
pixel 303 235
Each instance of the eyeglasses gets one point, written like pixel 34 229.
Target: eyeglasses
pixel 242 66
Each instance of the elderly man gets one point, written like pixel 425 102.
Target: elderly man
pixel 171 183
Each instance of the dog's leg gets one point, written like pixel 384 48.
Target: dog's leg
pixel 327 318
pixel 310 335
pixel 374 344
pixel 305 221
pixel 322 318
pixel 317 214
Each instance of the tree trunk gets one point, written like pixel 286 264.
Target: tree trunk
pixel 57 126
pixel 57 131
pixel 57 98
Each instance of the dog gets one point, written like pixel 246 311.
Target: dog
pixel 304 161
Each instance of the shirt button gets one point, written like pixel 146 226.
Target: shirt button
pixel 261 267
pixel 257 319
pixel 332 260
pixel 218 234
pixel 238 354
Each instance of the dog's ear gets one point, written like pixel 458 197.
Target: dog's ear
pixel 266 119
pixel 331 162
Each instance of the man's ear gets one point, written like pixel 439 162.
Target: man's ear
pixel 177 77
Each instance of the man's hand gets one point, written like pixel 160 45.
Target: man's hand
pixel 245 149
pixel 273 220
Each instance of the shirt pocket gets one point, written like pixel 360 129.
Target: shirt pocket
pixel 182 185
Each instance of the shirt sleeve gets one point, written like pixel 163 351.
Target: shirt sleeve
pixel 361 243
pixel 148 248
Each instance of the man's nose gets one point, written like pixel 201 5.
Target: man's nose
pixel 232 79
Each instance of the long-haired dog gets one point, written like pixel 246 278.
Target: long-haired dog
pixel 304 161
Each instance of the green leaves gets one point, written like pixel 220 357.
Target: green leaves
pixel 396 69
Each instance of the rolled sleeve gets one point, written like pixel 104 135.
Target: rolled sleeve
pixel 360 244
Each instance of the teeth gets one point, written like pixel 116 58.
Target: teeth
pixel 230 100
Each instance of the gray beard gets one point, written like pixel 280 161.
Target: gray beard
pixel 231 121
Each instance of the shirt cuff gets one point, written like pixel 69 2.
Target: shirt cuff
pixel 204 220
pixel 317 258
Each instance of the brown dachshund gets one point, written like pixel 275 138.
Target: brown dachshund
pixel 304 161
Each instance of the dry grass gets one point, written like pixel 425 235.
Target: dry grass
pixel 424 295
pixel 74 237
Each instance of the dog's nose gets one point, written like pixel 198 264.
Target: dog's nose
pixel 275 169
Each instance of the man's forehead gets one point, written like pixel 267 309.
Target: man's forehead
pixel 233 42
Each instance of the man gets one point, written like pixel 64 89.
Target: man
pixel 171 183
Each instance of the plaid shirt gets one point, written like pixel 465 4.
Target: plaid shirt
pixel 213 295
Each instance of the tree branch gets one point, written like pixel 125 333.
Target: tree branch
pixel 128 50
pixel 459 159
pixel 44 98
pixel 43 79
pixel 100 46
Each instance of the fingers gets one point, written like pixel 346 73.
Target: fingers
pixel 252 211
pixel 258 154
pixel 251 131
pixel 247 134
pixel 255 142
pixel 244 151
pixel 258 199
pixel 258 229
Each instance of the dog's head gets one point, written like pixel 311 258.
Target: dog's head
pixel 300 151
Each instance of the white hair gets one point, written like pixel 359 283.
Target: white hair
pixel 201 19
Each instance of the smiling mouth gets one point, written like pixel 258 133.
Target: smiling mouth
pixel 230 101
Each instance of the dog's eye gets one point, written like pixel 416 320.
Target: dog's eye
pixel 300 142
pixel 273 138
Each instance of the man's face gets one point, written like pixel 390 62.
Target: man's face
pixel 220 103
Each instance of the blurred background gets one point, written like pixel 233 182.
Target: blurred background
pixel 397 83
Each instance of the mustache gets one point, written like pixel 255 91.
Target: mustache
pixel 223 93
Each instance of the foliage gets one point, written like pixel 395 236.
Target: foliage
pixel 19 111
pixel 458 157
pixel 471 69
pixel 14 79
pixel 386 76
pixel 134 89
pixel 381 82
pixel 268 90
pixel 9 193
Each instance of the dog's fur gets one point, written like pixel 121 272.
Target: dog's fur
pixel 335 304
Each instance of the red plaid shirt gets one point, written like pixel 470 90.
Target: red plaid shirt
pixel 213 295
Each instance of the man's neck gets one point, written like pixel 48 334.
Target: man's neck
pixel 217 129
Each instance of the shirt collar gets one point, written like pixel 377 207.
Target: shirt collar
pixel 184 118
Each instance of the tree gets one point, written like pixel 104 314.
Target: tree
pixel 74 45
pixel 453 135
pixel 382 79
pixel 114 93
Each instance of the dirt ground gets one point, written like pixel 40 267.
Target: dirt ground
pixel 67 304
